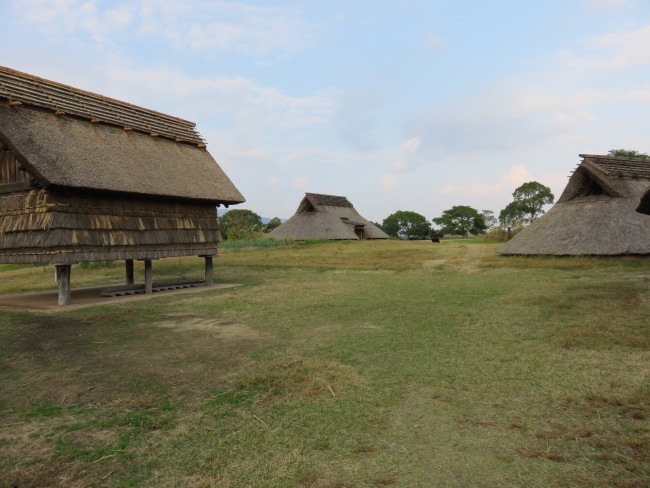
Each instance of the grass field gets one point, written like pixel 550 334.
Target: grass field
pixel 350 364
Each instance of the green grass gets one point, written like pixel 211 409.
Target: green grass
pixel 254 243
pixel 338 364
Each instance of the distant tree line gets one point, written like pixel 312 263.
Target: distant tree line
pixel 244 224
pixel 462 220
pixel 527 206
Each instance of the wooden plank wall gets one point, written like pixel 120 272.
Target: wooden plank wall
pixel 10 172
pixel 39 226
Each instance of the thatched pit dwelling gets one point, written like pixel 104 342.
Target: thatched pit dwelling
pixel 604 210
pixel 87 178
pixel 327 217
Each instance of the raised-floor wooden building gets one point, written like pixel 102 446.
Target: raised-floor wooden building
pixel 84 177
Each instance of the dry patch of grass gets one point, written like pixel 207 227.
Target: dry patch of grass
pixel 299 378
pixel 339 364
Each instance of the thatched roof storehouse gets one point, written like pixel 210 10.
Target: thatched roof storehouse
pixel 604 210
pixel 87 178
pixel 327 217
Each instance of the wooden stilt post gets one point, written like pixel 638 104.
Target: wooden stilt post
pixel 148 276
pixel 209 271
pixel 130 276
pixel 63 280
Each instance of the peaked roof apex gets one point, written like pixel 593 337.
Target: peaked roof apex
pixel 618 166
pixel 333 200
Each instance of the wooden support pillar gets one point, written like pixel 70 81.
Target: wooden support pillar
pixel 209 271
pixel 130 275
pixel 148 276
pixel 63 280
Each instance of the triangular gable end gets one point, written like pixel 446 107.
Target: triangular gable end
pixel 306 207
pixel 13 176
pixel 585 182
pixel 644 204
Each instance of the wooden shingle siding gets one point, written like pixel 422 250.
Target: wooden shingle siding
pixel 100 179
pixel 10 172
pixel 37 226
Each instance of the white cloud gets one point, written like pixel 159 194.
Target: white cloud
pixel 506 183
pixel 299 182
pixel 388 182
pixel 605 4
pixel 234 102
pixel 408 155
pixel 639 94
pixel 263 32
pixel 434 42
pixel 516 176
pixel 275 181
pixel 611 52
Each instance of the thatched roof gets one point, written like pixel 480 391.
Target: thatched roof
pixel 327 217
pixel 21 88
pixel 69 138
pixel 604 210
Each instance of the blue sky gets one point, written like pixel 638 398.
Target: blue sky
pixel 398 105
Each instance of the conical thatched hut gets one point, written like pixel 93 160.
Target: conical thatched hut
pixel 87 178
pixel 327 217
pixel 604 210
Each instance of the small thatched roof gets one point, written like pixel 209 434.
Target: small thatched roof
pixel 69 138
pixel 604 210
pixel 327 217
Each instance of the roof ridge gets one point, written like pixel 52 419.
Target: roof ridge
pixel 621 158
pixel 94 94
pixel 18 86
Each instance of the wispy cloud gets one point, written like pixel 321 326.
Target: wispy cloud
pixel 408 155
pixel 299 182
pixel 262 32
pixel 605 4
pixel 227 100
pixel 612 51
pixel 504 184
pixel 641 94
pixel 434 42
pixel 388 182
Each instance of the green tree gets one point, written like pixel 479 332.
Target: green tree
pixel 511 216
pixel 272 224
pixel 404 223
pixel 461 220
pixel 627 153
pixel 240 223
pixel 490 219
pixel 529 200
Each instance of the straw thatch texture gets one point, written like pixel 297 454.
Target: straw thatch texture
pixel 87 178
pixel 327 217
pixel 62 151
pixel 38 226
pixel 23 88
pixel 599 213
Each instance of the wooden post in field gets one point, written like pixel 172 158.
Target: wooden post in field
pixel 63 280
pixel 209 271
pixel 130 275
pixel 148 276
